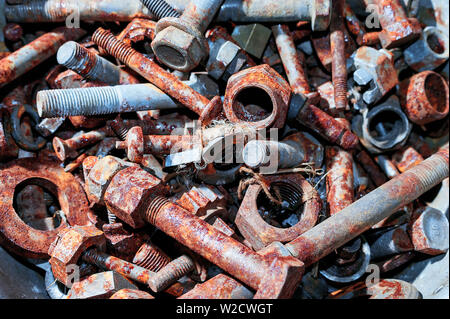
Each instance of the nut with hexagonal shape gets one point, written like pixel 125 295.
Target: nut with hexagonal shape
pixel 67 248
pixel 99 286
pixel 254 80
pixel 128 193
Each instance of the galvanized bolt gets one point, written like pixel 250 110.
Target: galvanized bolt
pixel 102 100
pixel 91 66
pixel 58 11
pixel 317 12
pixel 160 9
pixel 179 42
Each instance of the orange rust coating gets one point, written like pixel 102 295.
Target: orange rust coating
pixel 218 287
pixel 406 159
pixel 339 62
pixel 36 52
pixel 371 168
pixel 293 64
pixel 326 126
pixel 164 80
pixel 227 253
pixel 131 294
pixel 15 235
pixel 397 28
pixel 425 97
pixel 371 209
pixel 340 192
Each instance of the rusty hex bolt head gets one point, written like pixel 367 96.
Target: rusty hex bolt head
pixel 101 175
pixel 67 248
pixel 263 78
pixel 99 286
pixel 430 232
pixel 202 198
pixel 294 189
pixel 425 97
pixel 179 45
pixel 128 193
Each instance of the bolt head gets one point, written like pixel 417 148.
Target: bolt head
pixel 430 232
pixel 135 143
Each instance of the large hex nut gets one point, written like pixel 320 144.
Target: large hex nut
pixel 293 188
pixel 429 52
pixel 15 234
pixel 102 285
pixel 101 175
pixel 264 78
pixel 425 97
pixel 67 248
pixel 128 193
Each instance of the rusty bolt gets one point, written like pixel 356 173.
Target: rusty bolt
pixel 391 242
pixel 65 149
pixel 179 42
pixel 169 83
pixel 34 53
pixel 406 159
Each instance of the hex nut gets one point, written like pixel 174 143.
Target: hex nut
pixel 129 192
pixel 102 285
pixel 101 175
pixel 293 189
pixel 429 51
pixel 67 248
pixel 261 77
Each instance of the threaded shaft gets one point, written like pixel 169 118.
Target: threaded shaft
pixel 119 129
pixel 72 102
pixel 77 58
pixel 28 12
pixel 111 217
pixel 160 9
pixel 151 257
pixel 114 47
pixel 171 273
pixel 154 208
pixel 92 257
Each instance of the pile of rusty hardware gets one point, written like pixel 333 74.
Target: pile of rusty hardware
pixel 224 148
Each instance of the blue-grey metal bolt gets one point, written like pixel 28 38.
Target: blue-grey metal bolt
pixel 102 100
pixel 160 9
pixel 91 66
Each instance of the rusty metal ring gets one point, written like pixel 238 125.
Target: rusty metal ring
pixel 259 233
pixel 17 236
pixel 16 132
